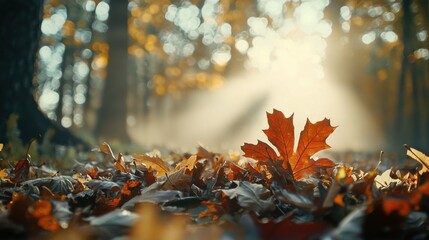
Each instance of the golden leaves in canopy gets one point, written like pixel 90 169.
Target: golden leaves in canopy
pixel 68 29
pixel 147 27
pixel 199 80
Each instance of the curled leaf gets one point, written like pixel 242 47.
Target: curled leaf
pixel 155 163
pixel 106 149
pixel 420 157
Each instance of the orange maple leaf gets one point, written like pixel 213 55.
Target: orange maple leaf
pixel 281 134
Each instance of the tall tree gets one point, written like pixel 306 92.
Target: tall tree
pixel 113 111
pixel 411 118
pixel 19 42
pixel 384 58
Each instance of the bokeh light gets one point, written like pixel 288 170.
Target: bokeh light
pixel 182 49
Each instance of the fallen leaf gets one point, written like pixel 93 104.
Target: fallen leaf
pixel 41 209
pixel 420 157
pixel 261 151
pixel 363 186
pixel 155 163
pixel 105 148
pixel 312 140
pixel 82 199
pixel 235 172
pixel 213 211
pixel 1 147
pixel 188 163
pixel 251 196
pixel 3 173
pixel 204 153
pixel 130 189
pixel 385 179
pixel 339 200
pixel 93 173
pixel 120 167
pixel 178 180
pixel 61 184
pixel 281 134
pixel 21 171
pixel 49 223
pixel 46 194
pixel 103 185
pixel 300 200
pixel 105 204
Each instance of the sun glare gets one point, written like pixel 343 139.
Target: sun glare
pixel 295 46
pixel 284 70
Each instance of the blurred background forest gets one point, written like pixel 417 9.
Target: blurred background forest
pixel 176 73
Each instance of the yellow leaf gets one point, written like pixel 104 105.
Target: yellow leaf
pixel 3 174
pixel 188 163
pixel 1 146
pixel 419 157
pixel 155 163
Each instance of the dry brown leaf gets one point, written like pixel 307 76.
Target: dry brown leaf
pixel 420 157
pixel 105 148
pixel 385 179
pixel 178 180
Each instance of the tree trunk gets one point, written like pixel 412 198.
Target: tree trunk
pixel 19 42
pixel 409 126
pixel 113 112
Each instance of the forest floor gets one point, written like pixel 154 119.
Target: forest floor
pixel 273 191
